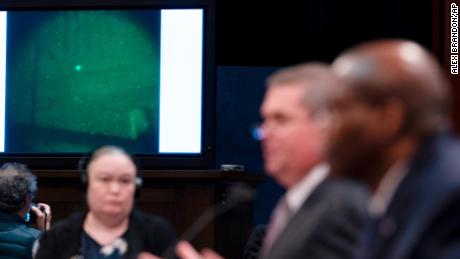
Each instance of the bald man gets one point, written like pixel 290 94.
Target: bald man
pixel 391 131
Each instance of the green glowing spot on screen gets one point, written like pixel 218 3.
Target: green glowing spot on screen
pixel 78 68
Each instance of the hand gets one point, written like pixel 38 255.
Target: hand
pixel 186 251
pixel 43 212
pixel 146 255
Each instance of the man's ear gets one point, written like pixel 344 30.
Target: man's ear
pixel 27 203
pixel 393 116
pixel 323 120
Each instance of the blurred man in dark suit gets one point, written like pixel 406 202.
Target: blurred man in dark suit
pixel 319 216
pixel 391 130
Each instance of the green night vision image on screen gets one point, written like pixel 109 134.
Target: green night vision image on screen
pixel 77 80
pixel 73 80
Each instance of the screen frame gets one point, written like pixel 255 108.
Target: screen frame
pixel 154 161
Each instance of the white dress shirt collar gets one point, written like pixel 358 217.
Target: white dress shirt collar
pixel 299 193
pixel 387 188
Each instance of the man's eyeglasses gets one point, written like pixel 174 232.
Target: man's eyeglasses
pixel 257 131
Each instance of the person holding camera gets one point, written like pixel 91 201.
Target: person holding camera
pixel 18 187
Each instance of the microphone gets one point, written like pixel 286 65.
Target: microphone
pixel 237 194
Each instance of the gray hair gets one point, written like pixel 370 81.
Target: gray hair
pixel 317 79
pixel 16 184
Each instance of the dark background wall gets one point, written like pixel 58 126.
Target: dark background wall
pixel 240 91
pixel 265 33
pixel 254 37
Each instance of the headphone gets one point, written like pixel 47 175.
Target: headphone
pixel 84 162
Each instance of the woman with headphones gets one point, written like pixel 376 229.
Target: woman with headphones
pixel 111 228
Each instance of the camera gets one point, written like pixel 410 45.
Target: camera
pixel 31 217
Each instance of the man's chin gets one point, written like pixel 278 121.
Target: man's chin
pixel 270 170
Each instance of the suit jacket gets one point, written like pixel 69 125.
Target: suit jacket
pixel 328 225
pixel 423 218
pixel 255 241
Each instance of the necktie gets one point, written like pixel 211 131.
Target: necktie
pixel 278 222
